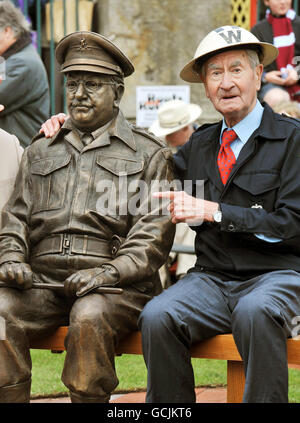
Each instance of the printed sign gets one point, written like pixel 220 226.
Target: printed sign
pixel 150 98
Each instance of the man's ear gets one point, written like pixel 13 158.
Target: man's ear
pixel 118 94
pixel 206 90
pixel 258 73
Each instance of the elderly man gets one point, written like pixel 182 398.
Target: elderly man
pixel 246 279
pixel 24 91
pixel 71 223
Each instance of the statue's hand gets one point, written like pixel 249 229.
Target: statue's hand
pixel 82 282
pixel 18 275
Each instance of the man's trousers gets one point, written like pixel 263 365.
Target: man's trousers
pixel 261 313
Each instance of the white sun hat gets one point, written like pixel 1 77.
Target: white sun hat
pixel 174 115
pixel 221 39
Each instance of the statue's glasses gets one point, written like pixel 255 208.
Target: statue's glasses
pixel 89 86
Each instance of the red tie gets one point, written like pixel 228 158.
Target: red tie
pixel 226 158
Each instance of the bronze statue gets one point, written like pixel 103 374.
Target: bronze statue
pixel 70 221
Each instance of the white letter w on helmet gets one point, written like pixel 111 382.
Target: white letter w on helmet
pixel 232 36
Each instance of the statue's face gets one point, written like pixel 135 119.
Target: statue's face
pixel 92 100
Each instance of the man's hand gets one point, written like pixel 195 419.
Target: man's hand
pixel 274 77
pixel 84 281
pixel 53 125
pixel 292 77
pixel 186 208
pixel 18 275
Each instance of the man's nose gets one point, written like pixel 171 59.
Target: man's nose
pixel 80 92
pixel 227 81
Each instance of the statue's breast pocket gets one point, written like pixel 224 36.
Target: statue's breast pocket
pixel 115 180
pixel 49 182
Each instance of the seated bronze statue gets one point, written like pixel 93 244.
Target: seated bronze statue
pixel 58 230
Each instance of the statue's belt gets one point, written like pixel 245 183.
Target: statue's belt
pixel 70 244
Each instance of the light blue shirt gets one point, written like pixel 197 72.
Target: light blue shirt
pixel 244 129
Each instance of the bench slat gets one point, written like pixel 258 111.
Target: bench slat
pixel 220 347
pixel 54 341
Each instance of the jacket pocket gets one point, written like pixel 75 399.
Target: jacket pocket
pixel 120 166
pixel 113 184
pixel 259 189
pixel 49 182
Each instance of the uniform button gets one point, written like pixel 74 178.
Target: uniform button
pixel 231 227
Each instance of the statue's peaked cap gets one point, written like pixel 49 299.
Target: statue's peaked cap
pixel 92 52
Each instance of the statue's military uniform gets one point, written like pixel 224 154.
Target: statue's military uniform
pixel 74 207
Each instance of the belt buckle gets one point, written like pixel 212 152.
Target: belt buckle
pixel 66 244
pixel 115 244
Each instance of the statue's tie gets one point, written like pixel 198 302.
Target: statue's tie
pixel 226 158
pixel 87 138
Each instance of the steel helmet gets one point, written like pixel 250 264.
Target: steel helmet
pixel 223 38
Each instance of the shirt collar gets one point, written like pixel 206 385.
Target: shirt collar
pixel 245 128
pixel 119 127
pixel 97 133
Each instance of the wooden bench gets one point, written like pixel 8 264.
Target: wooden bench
pixel 221 347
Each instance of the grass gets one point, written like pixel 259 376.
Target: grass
pixel 131 371
pixel 132 374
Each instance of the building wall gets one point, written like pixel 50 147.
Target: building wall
pixel 160 37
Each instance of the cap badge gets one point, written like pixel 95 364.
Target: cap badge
pixel 83 45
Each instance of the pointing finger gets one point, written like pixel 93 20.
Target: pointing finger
pixel 165 194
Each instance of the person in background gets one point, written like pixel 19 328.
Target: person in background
pixel 281 27
pixel 175 123
pixel 24 91
pixel 289 108
pixel 10 158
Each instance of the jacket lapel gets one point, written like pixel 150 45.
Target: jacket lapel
pixel 210 153
pixel 268 129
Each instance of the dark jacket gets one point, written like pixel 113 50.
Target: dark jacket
pixel 262 196
pixel 263 31
pixel 71 209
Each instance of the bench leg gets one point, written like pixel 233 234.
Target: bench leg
pixel 235 381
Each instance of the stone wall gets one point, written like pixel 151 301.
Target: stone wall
pixel 160 37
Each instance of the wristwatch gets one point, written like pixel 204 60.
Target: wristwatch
pixel 217 216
